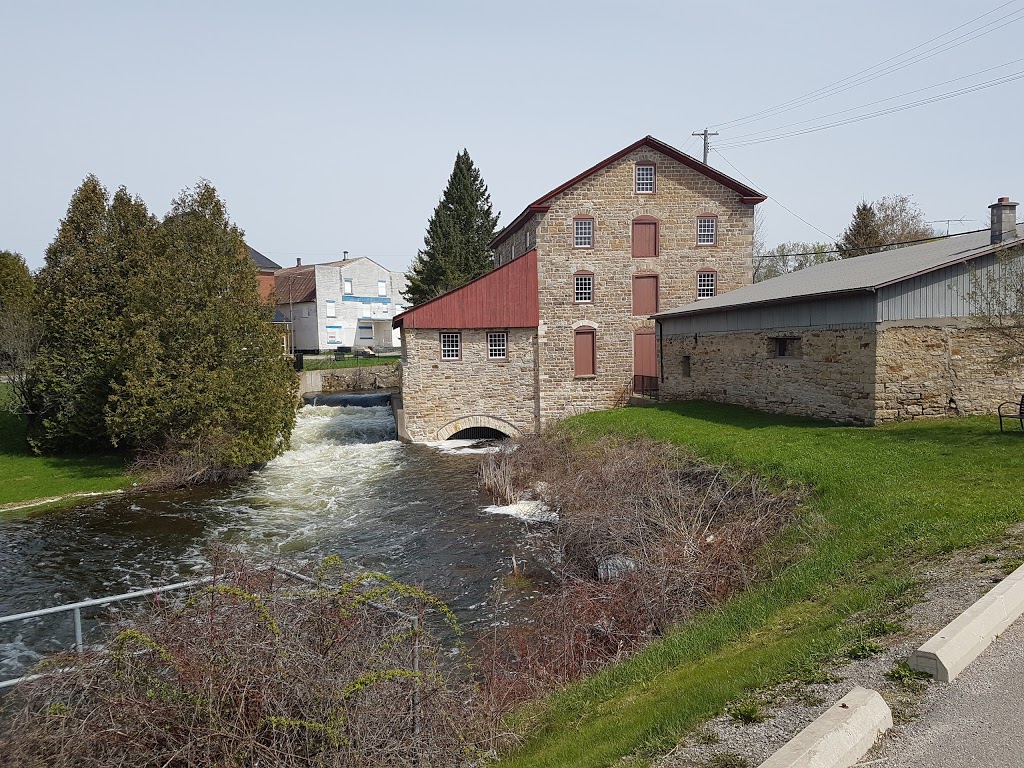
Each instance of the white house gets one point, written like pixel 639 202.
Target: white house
pixel 341 303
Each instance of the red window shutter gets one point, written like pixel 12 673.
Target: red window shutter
pixel 645 239
pixel 645 356
pixel 585 352
pixel 645 294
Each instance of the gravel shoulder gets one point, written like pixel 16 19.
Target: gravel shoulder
pixel 947 587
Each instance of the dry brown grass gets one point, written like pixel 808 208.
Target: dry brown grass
pixel 685 534
pixel 255 670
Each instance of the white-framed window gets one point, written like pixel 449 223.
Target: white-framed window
pixel 497 345
pixel 645 178
pixel 584 288
pixel 707 284
pixel 451 346
pixel 382 287
pixel 332 308
pixel 707 230
pixel 583 233
pixel 347 286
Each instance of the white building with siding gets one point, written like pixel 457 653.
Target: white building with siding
pixel 348 303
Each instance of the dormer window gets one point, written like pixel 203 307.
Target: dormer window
pixel 645 178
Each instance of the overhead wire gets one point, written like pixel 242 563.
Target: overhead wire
pixel 880 113
pixel 861 77
pixel 770 197
pixel 872 103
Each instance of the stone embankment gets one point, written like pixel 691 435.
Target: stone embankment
pixel 367 378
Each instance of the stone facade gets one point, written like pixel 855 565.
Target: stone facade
pixel 609 196
pixel 364 378
pixel 860 374
pixel 440 397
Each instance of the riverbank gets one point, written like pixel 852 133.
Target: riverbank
pixel 885 501
pixel 48 480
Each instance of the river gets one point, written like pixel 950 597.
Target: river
pixel 347 487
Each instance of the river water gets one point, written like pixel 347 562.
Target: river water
pixel 347 487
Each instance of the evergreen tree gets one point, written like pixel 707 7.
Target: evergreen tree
pixel 81 295
pixel 455 246
pixel 864 235
pixel 204 392
pixel 20 329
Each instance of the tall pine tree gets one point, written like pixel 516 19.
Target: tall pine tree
pixel 864 235
pixel 455 246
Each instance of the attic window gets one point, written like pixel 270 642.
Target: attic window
pixel 348 286
pixel 645 178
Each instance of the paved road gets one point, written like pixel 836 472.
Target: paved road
pixel 978 721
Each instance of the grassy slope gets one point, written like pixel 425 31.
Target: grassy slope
pixel 24 476
pixel 885 498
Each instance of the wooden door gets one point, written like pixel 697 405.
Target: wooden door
pixel 645 356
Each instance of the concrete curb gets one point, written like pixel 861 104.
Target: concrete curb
pixel 956 645
pixel 840 736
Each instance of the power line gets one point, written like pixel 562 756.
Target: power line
pixel 880 113
pixel 845 84
pixel 872 103
pixel 889 245
pixel 772 198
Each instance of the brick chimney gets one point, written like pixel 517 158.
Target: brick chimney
pixel 1004 220
pixel 298 262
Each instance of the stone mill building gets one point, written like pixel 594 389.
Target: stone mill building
pixel 563 322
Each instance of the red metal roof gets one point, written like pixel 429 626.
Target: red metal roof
pixel 541 204
pixel 506 297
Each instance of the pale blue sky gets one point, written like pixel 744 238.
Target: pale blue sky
pixel 333 126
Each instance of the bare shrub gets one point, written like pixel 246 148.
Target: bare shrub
pixel 256 669
pixel 646 535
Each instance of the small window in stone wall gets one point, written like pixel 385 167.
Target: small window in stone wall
pixel 686 366
pixel 785 346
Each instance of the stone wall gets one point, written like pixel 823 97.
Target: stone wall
pixel 855 374
pixel 365 378
pixel 942 370
pixel 609 196
pixel 473 391
pixel 829 375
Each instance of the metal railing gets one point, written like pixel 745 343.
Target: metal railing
pixel 76 610
pixel 645 386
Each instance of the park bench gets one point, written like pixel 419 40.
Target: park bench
pixel 1015 412
pixel 341 352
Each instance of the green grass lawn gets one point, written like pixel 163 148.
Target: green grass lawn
pixel 25 476
pixel 329 363
pixel 885 500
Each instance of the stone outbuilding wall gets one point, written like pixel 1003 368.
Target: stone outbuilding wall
pixel 861 374
pixel 948 369
pixel 828 375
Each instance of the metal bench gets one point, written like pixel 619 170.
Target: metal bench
pixel 1011 414
pixel 341 352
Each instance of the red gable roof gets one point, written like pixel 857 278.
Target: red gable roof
pixel 506 297
pixel 541 204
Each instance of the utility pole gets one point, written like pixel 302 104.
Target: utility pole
pixel 707 144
